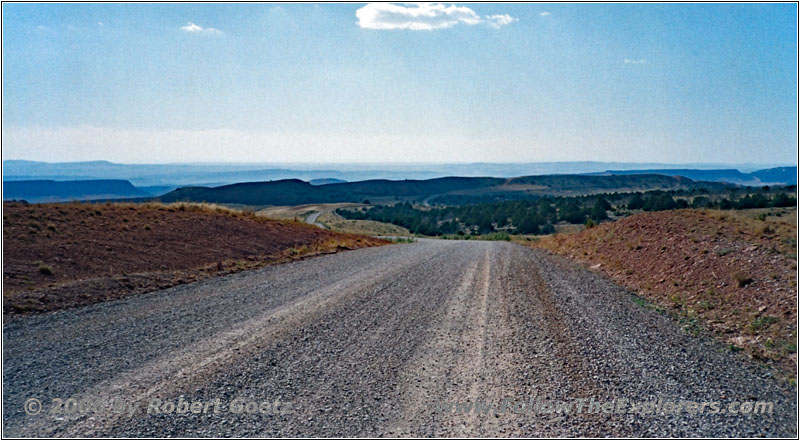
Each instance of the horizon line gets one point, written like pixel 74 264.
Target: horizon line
pixel 412 163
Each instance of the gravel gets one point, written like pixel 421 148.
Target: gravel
pixel 372 342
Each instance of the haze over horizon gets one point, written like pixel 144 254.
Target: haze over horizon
pixel 572 166
pixel 431 83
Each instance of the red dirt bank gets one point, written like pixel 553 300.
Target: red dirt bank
pixel 63 255
pixel 737 276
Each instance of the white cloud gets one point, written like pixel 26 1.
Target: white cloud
pixel 544 14
pixel 630 61
pixel 423 17
pixel 498 21
pixel 195 29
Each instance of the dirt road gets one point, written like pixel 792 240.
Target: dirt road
pixel 312 219
pixel 380 342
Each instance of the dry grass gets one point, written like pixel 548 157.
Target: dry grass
pixel 300 212
pixel 367 227
pixel 334 222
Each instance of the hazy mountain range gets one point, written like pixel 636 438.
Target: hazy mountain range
pixel 45 182
pixel 176 175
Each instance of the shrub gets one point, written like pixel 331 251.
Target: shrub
pixel 742 280
pixel 762 322
pixel 548 228
pixel 46 270
pixel 723 251
pixel 495 236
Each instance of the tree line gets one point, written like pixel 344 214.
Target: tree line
pixel 539 216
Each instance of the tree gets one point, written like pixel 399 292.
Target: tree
pixel 572 213
pixel 636 202
pixel 449 227
pixel 783 200
pixel 700 202
pixel 528 225
pixel 604 203
pixel 598 212
pixel 725 204
pixel 485 226
pixel 660 203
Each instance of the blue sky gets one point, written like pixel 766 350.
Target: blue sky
pixel 152 83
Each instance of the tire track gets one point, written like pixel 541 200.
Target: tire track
pixel 368 343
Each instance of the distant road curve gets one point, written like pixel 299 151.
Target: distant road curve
pixel 377 342
pixel 312 219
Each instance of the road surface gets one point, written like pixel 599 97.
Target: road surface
pixel 381 342
pixel 312 219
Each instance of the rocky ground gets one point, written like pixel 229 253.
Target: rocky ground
pixel 731 272
pixel 63 255
pixel 378 342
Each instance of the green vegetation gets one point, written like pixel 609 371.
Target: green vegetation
pixel 521 217
pixel 297 192
pixel 439 191
pixel 537 216
pixel 782 346
pixel 490 236
pixel 762 322
pixel 46 270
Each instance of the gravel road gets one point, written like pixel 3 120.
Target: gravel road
pixel 377 342
pixel 312 219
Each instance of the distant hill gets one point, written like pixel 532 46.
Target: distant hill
pixel 443 190
pixel 212 175
pixel 326 181
pixel 782 175
pixel 591 183
pixel 59 191
pixel 297 192
pixel 778 175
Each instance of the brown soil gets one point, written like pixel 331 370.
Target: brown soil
pixel 62 255
pixel 734 275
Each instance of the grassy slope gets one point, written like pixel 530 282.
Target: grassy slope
pixel 332 220
pixel 730 272
pixel 372 228
pixel 300 212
